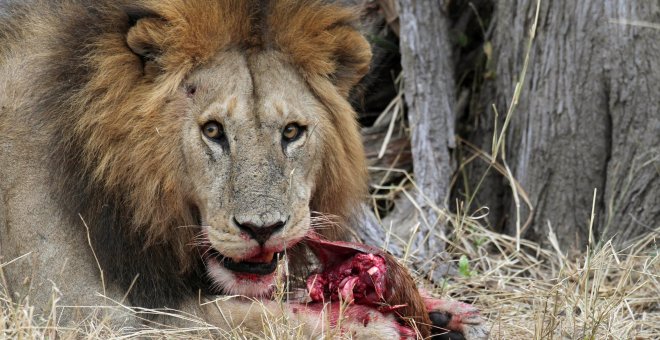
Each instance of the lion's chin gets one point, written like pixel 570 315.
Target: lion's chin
pixel 238 283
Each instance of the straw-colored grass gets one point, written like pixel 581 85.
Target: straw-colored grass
pixel 536 293
pixel 530 292
pixel 533 293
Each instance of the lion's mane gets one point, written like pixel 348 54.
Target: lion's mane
pixel 127 184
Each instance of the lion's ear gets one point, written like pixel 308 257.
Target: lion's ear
pixel 146 36
pixel 352 58
pixel 323 40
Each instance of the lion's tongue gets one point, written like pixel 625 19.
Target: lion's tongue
pixel 263 257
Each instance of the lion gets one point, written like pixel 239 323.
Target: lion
pixel 156 151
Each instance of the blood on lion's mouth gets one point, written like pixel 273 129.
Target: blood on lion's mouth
pixel 264 263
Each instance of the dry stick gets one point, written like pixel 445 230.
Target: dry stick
pixel 460 172
pixel 399 96
pixel 387 173
pixel 589 254
pixel 509 114
pixel 89 241
pixel 519 84
pixel 552 237
pixel 130 287
pixel 408 179
pixel 499 142
pixel 516 199
pixel 396 106
pixel 390 130
pixel 2 265
pixel 502 170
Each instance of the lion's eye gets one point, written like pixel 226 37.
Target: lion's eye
pixel 292 132
pixel 213 130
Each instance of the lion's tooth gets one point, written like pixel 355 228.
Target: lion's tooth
pixel 264 257
pixel 268 257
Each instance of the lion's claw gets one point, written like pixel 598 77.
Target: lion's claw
pixel 454 320
pixel 439 330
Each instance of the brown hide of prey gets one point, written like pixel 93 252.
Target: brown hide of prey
pixel 400 294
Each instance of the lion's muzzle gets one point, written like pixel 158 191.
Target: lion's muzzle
pixel 263 264
pixel 260 232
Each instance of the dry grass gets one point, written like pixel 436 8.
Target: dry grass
pixel 528 292
pixel 536 293
pixel 533 293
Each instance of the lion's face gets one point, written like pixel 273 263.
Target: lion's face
pixel 204 113
pixel 252 142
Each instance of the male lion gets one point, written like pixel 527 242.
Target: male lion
pixel 162 148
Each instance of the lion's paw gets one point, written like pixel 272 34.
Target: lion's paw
pixel 362 322
pixel 353 321
pixel 454 320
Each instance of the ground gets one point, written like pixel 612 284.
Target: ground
pixel 532 293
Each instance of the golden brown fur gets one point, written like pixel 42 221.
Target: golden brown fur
pixel 103 81
pixel 315 37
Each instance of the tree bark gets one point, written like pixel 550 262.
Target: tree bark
pixel 586 127
pixel 632 190
pixel 588 117
pixel 429 94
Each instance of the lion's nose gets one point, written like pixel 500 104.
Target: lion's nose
pixel 260 233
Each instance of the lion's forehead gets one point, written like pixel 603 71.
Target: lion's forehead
pixel 260 88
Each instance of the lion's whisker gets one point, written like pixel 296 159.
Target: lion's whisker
pixel 205 254
pixel 188 226
pixel 200 243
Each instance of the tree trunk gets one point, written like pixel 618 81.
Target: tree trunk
pixel 429 94
pixel 588 116
pixel 632 190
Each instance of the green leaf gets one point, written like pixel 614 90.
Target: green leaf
pixel 464 267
